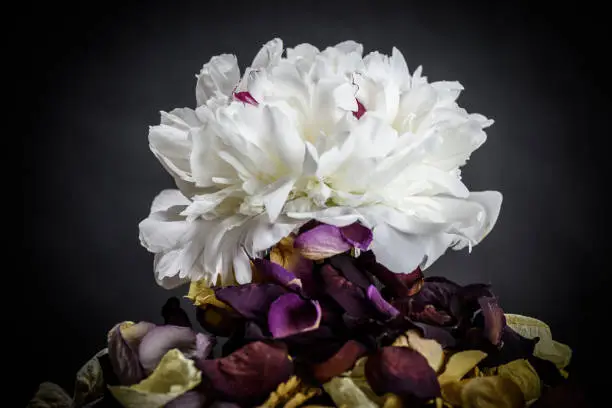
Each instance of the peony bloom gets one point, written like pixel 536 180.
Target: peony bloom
pixel 329 136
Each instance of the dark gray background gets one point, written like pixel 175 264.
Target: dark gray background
pixel 101 72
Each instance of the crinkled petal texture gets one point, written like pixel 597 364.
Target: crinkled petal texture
pixel 355 142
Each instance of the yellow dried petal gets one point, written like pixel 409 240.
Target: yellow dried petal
pixel 201 295
pixel 547 348
pixel 284 254
pixel 428 348
pixel 392 401
pixel 173 376
pixel 292 393
pixel 522 373
pixel 301 397
pixel 459 364
pixel 344 392
pixel 401 341
pixel 491 392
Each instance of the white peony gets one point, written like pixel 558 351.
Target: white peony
pixel 327 135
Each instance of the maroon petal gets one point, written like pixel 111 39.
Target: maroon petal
pixel 161 339
pixel 440 334
pixel 290 314
pixel 191 399
pixel 314 346
pixel 357 235
pixel 251 301
pixel 275 273
pixel 392 282
pixel 320 242
pixel 350 297
pixel 401 371
pixel 249 374
pixel 123 351
pixel 340 362
pixel 361 110
pixel 494 319
pixel 431 315
pixel 346 265
pixel 383 307
pixel 245 97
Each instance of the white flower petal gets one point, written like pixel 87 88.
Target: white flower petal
pixel 275 196
pixel 269 54
pixel 220 75
pixel 397 251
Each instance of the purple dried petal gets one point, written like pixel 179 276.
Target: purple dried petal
pixel 290 314
pixel 340 362
pixel 321 242
pixel 249 374
pixel 494 319
pixel 383 307
pixel 251 301
pixel 357 235
pixel 123 352
pixel 350 297
pixel 392 282
pixel 245 97
pixel 401 371
pixel 161 339
pixel 275 273
pixel 436 291
pixel 314 346
pixel 190 399
pixel 361 110
pixel 174 314
pixel 345 264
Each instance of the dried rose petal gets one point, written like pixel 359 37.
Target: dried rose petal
pixel 357 236
pixel 361 110
pixel 340 362
pixel 248 374
pixel 381 305
pixel 275 273
pixel 401 371
pixel 345 264
pixel 432 316
pixel 123 342
pixel 494 319
pixel 320 242
pixel 290 314
pixel 350 297
pixel 252 301
pixel 245 97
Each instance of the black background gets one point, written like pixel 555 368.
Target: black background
pixel 99 73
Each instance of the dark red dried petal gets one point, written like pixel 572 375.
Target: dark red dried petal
pixel 340 362
pixel 345 264
pixel 349 296
pixel 401 371
pixel 361 110
pixel 249 374
pixel 245 97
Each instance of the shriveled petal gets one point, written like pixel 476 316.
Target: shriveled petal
pixel 252 301
pixel 89 383
pixel 401 371
pixel 50 395
pixel 290 314
pixel 340 362
pixel 350 297
pixel 524 375
pixel 275 273
pixel 491 392
pixel 322 241
pixel 430 349
pixel 123 343
pixel 161 339
pixel 546 348
pixel 174 376
pixel 381 305
pixel 350 269
pixel 459 364
pixel 494 319
pixel 248 374
pixel 357 235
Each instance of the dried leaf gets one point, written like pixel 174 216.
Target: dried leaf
pixel 89 383
pixel 459 364
pixel 522 373
pixel 201 294
pixel 546 348
pixel 174 376
pixel 344 392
